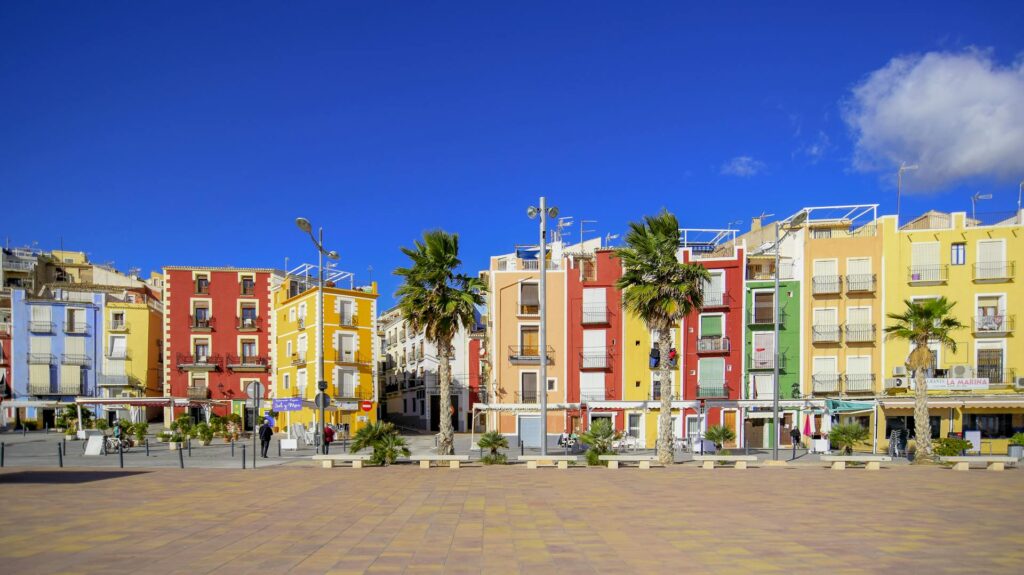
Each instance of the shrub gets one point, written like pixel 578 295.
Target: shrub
pixel 599 439
pixel 847 435
pixel 139 430
pixel 29 425
pixel 951 446
pixel 184 425
pixel 102 425
pixel 204 432
pixel 383 438
pixel 493 441
pixel 1017 439
pixel 719 435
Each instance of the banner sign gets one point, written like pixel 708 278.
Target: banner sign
pixel 288 404
pixel 957 383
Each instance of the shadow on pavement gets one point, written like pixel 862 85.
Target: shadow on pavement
pixel 64 476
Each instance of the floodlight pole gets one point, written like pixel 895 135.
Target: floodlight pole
pixel 541 289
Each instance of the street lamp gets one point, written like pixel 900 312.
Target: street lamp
pixel 544 212
pixel 899 186
pixel 978 196
pixel 790 222
pixel 321 382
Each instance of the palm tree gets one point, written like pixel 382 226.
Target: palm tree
pixel 493 441
pixel 437 300
pixel 719 435
pixel 847 435
pixel 919 324
pixel 660 290
pixel 599 438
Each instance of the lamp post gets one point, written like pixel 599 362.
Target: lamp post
pixel 544 212
pixel 899 186
pixel 978 196
pixel 321 382
pixel 790 222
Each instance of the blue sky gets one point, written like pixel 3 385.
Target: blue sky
pixel 153 134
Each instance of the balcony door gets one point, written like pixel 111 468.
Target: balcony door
pixel 529 340
pixel 924 262
pixel 528 387
pixel 990 362
pixel 763 350
pixel 714 289
pixel 991 259
pixel 764 307
pixel 346 346
pixel 595 307
pixel 591 386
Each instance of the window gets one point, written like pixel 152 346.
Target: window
pixel 924 262
pixel 345 381
pixel 711 326
pixel 529 299
pixel 118 347
pixel 763 384
pixel 633 425
pixel 552 384
pixel 345 311
pixel 300 380
pixel 286 380
pixel 202 284
pixel 764 307
pixel 529 340
pixel 248 285
pixel 301 345
pixel 346 346
pixel 288 348
pixel 291 314
pixel 905 425
pixel 990 362
pixel 248 348
pixel 995 426
pixel 201 349
pixel 117 320
pixel 991 260
pixel 74 320
pixel 958 253
pixel 595 307
pixel 199 382
pixel 248 315
pixel 528 387
pixel 714 289
pixel 656 383
pixel 711 372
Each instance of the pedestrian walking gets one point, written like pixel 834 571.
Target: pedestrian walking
pixel 794 434
pixel 265 434
pixel 328 438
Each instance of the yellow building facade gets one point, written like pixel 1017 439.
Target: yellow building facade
pixel 641 388
pixel 132 347
pixel 350 352
pixel 979 386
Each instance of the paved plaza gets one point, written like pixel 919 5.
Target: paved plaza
pixel 297 518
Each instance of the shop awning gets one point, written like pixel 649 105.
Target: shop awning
pixel 965 403
pixel 840 406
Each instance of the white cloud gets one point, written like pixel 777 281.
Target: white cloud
pixel 742 166
pixel 957 115
pixel 816 150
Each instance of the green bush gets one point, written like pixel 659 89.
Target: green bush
pixel 847 435
pixel 102 425
pixel 493 441
pixel 951 446
pixel 383 438
pixel 30 425
pixel 1017 439
pixel 599 438
pixel 140 430
pixel 204 432
pixel 184 425
pixel 719 435
pixel 497 459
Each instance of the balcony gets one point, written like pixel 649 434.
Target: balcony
pixel 995 376
pixel 76 328
pixel 16 266
pixel 993 271
pixel 119 326
pixel 595 314
pixel 249 323
pixel 41 326
pixel 928 274
pixel 714 299
pixel 534 265
pixel 528 354
pixel 713 345
pixel 992 325
pixel 764 316
pixel 40 389
pixel 351 358
pixel 198 363
pixel 5 329
pixel 765 360
pixel 246 288
pixel 712 389
pixel 248 362
pixel 42 358
pixel 826 285
pixel 825 333
pixel 75 359
pixel 825 383
pixel 347 320
pixel 592 395
pixel 201 323
pixel 860 283
pixel 860 382
pixel 527 396
pixel 118 355
pixel 299 359
pixel 198 392
pixel 595 358
pixel 105 380
pixel 860 332
pixel 765 270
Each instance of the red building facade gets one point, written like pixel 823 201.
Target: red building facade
pixel 713 340
pixel 594 332
pixel 218 337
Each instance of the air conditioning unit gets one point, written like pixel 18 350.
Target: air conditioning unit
pixel 126 394
pixel 899 371
pixel 895 382
pixel 960 371
pixel 1019 382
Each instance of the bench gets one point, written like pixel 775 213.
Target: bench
pixel 871 462
pixel 532 461
pixel 994 462
pixel 708 461
pixel 643 461
pixel 355 459
pixel 453 460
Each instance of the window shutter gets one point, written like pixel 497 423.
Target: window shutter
pixel 529 294
pixel 858 315
pixel 711 370
pixel 858 365
pixel 711 326
pixel 39 345
pixel 824 365
pixel 924 255
pixel 825 268
pixel 70 375
pixel 858 266
pixel 825 317
pixel 74 346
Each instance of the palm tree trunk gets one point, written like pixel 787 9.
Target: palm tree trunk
pixel 446 439
pixel 922 429
pixel 665 454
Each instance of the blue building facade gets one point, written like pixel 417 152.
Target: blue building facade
pixel 56 349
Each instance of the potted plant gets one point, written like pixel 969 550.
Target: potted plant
pixel 102 425
pixel 140 430
pixel 204 433
pixel 493 441
pixel 719 435
pixel 173 439
pixel 1016 448
pixel 847 435
pixel 599 439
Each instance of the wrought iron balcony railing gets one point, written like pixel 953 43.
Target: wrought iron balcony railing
pixel 198 392
pixel 119 325
pixel 825 382
pixel 712 389
pixel 714 298
pixel 76 328
pixel 822 285
pixel 860 382
pixel 528 353
pixel 825 333
pixel 859 332
pixel 992 324
pixel 249 323
pixel 765 360
pixel 860 283
pixel 202 323
pixel 75 359
pixel 717 344
pixel 40 326
pixel 993 271
pixel 594 314
pixel 595 358
pixel 928 274
pixel 41 358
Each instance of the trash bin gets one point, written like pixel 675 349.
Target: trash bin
pixel 1016 451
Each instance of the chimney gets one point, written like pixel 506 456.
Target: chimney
pixel 755 223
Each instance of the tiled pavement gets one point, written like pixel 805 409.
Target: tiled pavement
pixel 511 520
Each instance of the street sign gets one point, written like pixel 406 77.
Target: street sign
pixel 321 385
pixel 288 404
pixel 349 405
pixel 254 389
pixel 366 405
pixel 322 401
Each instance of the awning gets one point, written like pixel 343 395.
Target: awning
pixel 840 406
pixel 524 407
pixel 964 403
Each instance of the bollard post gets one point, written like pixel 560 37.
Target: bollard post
pixel 279 448
pixel 232 449
pixel 60 456
pixel 120 455
pixel 46 428
pixel 24 430
pixel 190 447
pixel 243 456
pixel 2 446
pixel 64 445
pixel 147 447
pixel 520 448
pixel 181 459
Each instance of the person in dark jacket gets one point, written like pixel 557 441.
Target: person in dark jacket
pixel 265 434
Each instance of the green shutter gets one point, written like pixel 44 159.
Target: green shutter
pixel 711 370
pixel 711 326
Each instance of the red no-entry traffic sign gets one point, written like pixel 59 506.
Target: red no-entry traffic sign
pixel 366 405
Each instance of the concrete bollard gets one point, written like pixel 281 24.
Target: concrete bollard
pixel 190 447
